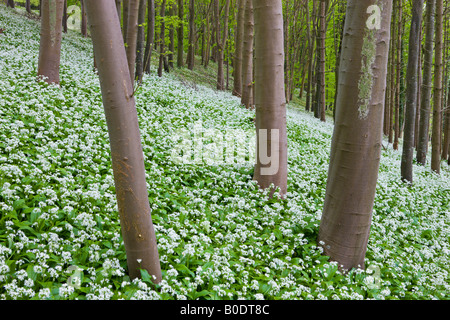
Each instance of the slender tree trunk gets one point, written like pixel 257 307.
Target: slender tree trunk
pixel 311 41
pixel 411 91
pixel 50 43
pixel 356 145
pixel 270 99
pixel 180 34
pixel 321 78
pixel 126 149
pixel 83 26
pixel 150 35
pixel 28 6
pixel 10 3
pixel 162 38
pixel 247 56
pixel 239 42
pixel 221 42
pixel 132 31
pixel 140 61
pixel 425 95
pixel 64 19
pixel 191 48
pixel 126 6
pixel 398 73
pixel 171 37
pixel 436 138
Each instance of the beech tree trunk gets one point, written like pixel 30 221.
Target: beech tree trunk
pixel 140 47
pixel 247 56
pixel 180 34
pixel 126 149
pixel 411 91
pixel 436 138
pixel 150 35
pixel 50 43
pixel 357 138
pixel 239 43
pixel 399 14
pixel 321 47
pixel 162 38
pixel 270 101
pixel 83 26
pixel 425 95
pixel 132 31
pixel 221 42
pixel 191 48
pixel 28 6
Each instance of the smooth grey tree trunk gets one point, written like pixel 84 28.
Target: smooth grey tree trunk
pixel 270 99
pixel 411 91
pixel 125 141
pixel 357 137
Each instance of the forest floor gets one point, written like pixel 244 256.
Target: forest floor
pixel 219 237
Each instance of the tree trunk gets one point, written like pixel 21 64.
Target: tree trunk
pixel 50 43
pixel 150 35
pixel 171 37
pixel 28 5
pixel 425 95
pixel 140 61
pixel 132 31
pixel 221 42
pixel 239 42
pixel 10 3
pixel 64 18
pixel 180 31
pixel 162 38
pixel 411 91
pixel 247 57
pixel 191 48
pixel 356 144
pixel 126 6
pixel 83 26
pixel 270 102
pixel 398 73
pixel 126 149
pixel 321 78
pixel 436 137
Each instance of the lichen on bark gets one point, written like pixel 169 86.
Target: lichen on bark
pixel 366 81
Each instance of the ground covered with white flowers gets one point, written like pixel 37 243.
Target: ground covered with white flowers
pixel 218 236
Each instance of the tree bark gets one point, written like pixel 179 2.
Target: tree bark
pixel 180 31
pixel 425 95
pixel 239 42
pixel 247 57
pixel 150 35
pixel 191 48
pixel 436 138
pixel 411 91
pixel 50 43
pixel 221 42
pixel 140 61
pixel 171 37
pixel 398 74
pixel 162 38
pixel 321 78
pixel 132 31
pixel 357 138
pixel 125 8
pixel 83 26
pixel 126 149
pixel 28 6
pixel 270 102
